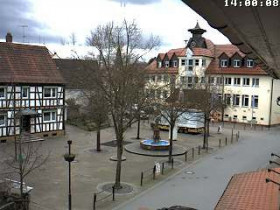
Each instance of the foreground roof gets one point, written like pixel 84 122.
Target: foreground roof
pixel 249 191
pixel 29 64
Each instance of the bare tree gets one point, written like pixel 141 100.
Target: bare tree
pixel 119 76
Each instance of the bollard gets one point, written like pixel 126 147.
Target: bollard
pixel 231 141
pixel 192 153
pixel 94 200
pixel 226 141
pixel 172 163
pixel 198 150
pixel 236 136
pixel 142 176
pixel 244 127
pixel 113 191
pixel 162 168
pixel 186 156
pixel 220 143
pixel 154 172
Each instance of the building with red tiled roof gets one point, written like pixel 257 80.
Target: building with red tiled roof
pixel 248 92
pixel 249 191
pixel 31 91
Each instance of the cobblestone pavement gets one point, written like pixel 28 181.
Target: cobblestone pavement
pixel 92 168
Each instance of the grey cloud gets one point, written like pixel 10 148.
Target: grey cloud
pixel 13 15
pixel 137 1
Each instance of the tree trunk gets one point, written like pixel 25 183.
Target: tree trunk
pixel 98 149
pixel 205 135
pixel 170 144
pixel 117 184
pixel 138 127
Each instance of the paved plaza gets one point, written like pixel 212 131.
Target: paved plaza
pixel 92 169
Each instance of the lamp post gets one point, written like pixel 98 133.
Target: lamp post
pixel 69 158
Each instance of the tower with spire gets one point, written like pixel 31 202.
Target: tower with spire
pixel 197 41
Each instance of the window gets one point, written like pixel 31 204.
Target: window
pixel 2 92
pixel 236 63
pixel 236 100
pixel 262 118
pixel 166 64
pixel 159 64
pixel 24 93
pixel 255 101
pixel 212 80
pixel 244 117
pixel 190 68
pixel 224 63
pixel 227 99
pixel 190 65
pixel 203 62
pixel 228 81
pixel 250 63
pixel 49 116
pixel 196 62
pixel 236 81
pixel 183 80
pixel 235 117
pixel 190 62
pixel 196 79
pixel 219 80
pixel 190 79
pixel 246 81
pixel 245 100
pixel 2 120
pixel 202 79
pixel 255 82
pixel 183 62
pixel 226 115
pixel 174 63
pixel 49 92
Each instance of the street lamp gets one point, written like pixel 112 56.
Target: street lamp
pixel 69 158
pixel 271 162
pixel 272 170
pixel 272 154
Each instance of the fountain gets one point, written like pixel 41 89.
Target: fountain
pixel 156 143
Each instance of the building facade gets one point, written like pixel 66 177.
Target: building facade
pixel 31 92
pixel 249 93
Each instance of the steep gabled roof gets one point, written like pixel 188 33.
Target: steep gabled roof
pixel 28 64
pixel 152 69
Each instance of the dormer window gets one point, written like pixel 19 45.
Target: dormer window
pixel 236 63
pixel 224 63
pixel 159 64
pixel 174 63
pixel 250 63
pixel 166 64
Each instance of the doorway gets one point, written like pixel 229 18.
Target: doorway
pixel 26 123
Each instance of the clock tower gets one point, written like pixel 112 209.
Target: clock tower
pixel 197 41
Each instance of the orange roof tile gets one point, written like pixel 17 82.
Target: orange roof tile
pixel 249 191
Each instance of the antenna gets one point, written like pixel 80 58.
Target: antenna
pixel 23 32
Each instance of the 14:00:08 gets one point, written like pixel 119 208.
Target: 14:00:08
pixel 251 3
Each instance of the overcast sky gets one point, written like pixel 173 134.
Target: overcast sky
pixel 50 21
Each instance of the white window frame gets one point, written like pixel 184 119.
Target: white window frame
pixel 224 63
pixel 174 63
pixel 228 81
pixel 166 64
pixel 246 79
pixel 234 101
pixel 236 63
pixel 51 116
pixel 203 62
pixel 51 92
pixel 243 100
pixel 4 120
pixel 250 63
pixel 254 81
pixel 253 104
pixel 183 62
pixel 227 98
pixel 159 64
pixel 27 92
pixel 3 97
pixel 237 81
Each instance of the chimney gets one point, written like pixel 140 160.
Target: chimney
pixel 9 37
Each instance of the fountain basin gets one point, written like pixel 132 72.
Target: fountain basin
pixel 150 144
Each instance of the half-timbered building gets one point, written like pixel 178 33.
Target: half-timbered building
pixel 31 91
